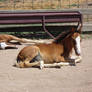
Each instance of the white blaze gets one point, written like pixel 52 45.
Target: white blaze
pixel 78 48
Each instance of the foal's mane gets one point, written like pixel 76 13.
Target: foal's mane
pixel 67 33
pixel 63 35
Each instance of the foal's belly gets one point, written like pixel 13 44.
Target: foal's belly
pixel 48 59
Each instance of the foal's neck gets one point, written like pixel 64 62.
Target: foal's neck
pixel 68 46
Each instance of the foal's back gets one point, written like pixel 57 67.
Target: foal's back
pixel 50 49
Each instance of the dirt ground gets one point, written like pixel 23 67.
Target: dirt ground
pixel 66 79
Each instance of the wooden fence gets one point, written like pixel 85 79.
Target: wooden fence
pixel 44 4
pixel 87 17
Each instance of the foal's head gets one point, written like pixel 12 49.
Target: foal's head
pixel 70 39
pixel 75 39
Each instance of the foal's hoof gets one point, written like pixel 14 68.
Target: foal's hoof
pixel 41 68
pixel 78 59
pixel 41 64
pixel 72 62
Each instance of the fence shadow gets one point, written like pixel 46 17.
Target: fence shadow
pixel 35 32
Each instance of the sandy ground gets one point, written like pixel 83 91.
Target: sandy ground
pixel 66 79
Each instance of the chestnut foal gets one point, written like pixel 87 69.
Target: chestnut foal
pixel 56 53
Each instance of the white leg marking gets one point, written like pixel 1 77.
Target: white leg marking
pixel 78 59
pixel 41 64
pixel 78 48
pixel 56 64
pixel 3 45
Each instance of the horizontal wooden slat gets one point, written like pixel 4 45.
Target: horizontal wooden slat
pixel 37 17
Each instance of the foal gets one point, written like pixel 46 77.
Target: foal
pixel 5 41
pixel 56 53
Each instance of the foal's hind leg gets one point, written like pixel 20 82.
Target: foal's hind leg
pixel 19 64
pixel 28 64
pixel 36 63
pixel 41 64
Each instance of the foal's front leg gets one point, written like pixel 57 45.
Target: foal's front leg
pixel 77 58
pixel 60 61
pixel 65 61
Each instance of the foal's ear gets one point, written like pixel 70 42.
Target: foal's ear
pixel 79 28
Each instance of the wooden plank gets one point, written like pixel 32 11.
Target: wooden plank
pixel 87 27
pixel 11 17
